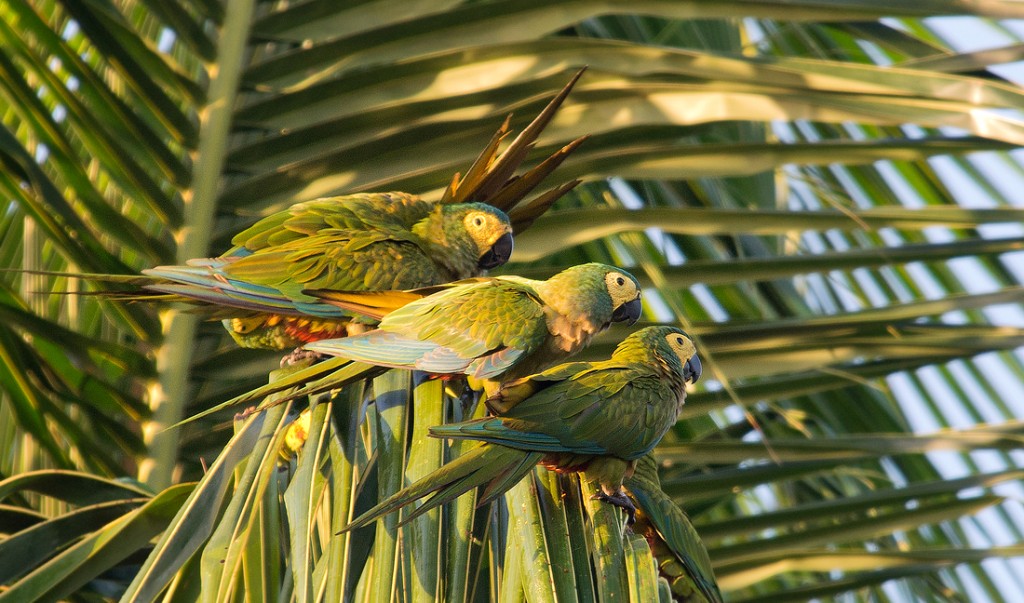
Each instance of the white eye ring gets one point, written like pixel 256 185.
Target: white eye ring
pixel 478 221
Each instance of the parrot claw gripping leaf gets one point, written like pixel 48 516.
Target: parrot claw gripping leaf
pixel 620 500
pixel 597 417
pixel 299 355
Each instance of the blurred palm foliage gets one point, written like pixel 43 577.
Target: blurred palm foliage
pixel 821 192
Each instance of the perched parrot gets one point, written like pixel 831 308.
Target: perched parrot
pixel 374 241
pixel 598 417
pixel 370 241
pixel 681 556
pixel 489 328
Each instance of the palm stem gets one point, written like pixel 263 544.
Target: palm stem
pixel 168 395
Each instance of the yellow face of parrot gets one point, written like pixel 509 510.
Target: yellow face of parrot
pixel 683 347
pixel 492 234
pixel 625 294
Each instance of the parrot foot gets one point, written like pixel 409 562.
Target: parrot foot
pixel 620 500
pixel 300 355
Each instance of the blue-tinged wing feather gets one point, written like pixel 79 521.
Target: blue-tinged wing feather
pixel 493 430
pixel 494 364
pixel 393 350
pixel 202 280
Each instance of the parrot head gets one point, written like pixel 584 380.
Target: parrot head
pixel 478 237
pixel 671 346
pixel 624 290
pixel 605 294
pixel 681 344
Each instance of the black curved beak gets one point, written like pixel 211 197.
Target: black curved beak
pixel 692 369
pixel 498 254
pixel 628 311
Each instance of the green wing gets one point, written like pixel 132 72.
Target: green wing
pixel 366 211
pixel 347 260
pixel 482 329
pixel 476 319
pixel 609 408
pixel 624 408
pixel 513 392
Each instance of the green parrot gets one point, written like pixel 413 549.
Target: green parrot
pixel 682 558
pixel 373 241
pixel 489 328
pixel 369 241
pixel 598 417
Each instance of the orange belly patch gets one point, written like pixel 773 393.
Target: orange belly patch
pixel 307 330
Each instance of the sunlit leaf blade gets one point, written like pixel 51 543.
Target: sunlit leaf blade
pixel 462 518
pixel 870 503
pixel 608 553
pixel 72 487
pixel 556 231
pixel 303 380
pixel 851 447
pixel 33 546
pixel 823 560
pixel 92 555
pixel 552 508
pixel 849 583
pixel 422 536
pixel 857 528
pixel 392 404
pixel 641 569
pixel 302 500
pixel 224 556
pixel 141 67
pixel 193 524
pixel 530 551
pixel 507 22
pixel 339 567
pixel 968 61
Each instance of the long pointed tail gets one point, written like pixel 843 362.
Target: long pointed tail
pixel 675 529
pixel 497 466
pixel 205 281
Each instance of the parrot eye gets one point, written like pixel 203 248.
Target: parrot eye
pixel 679 340
pixel 478 221
pixel 623 290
